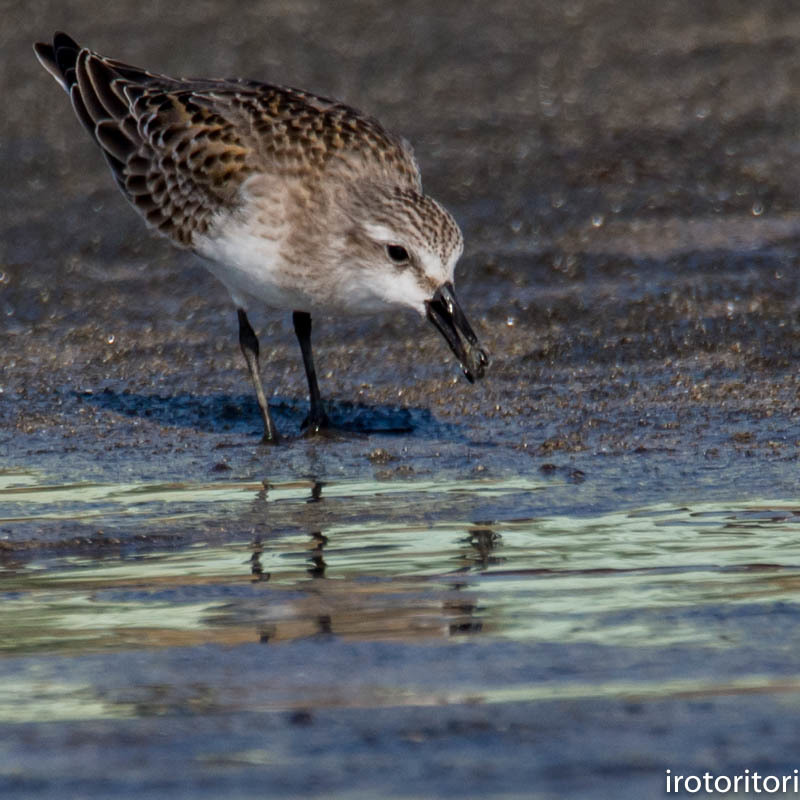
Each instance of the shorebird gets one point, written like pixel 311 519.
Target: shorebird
pixel 294 201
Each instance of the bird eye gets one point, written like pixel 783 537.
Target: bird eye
pixel 397 253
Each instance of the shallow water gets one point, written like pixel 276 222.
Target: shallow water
pixel 653 577
pixel 355 623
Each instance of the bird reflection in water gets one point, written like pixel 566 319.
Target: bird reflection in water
pixel 483 542
pixel 256 569
pixel 375 602
pixel 318 566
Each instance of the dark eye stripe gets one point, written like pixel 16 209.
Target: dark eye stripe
pixel 397 253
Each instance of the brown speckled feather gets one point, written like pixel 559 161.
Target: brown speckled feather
pixel 181 148
pixel 293 201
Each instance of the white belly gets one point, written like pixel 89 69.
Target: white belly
pixel 243 248
pixel 251 267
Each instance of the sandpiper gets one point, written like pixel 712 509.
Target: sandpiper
pixel 294 201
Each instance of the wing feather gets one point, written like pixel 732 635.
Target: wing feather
pixel 181 149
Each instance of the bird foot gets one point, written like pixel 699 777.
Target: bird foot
pixel 311 426
pixel 318 424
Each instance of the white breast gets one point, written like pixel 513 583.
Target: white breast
pixel 243 249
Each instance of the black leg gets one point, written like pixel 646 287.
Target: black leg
pixel 248 341
pixel 317 418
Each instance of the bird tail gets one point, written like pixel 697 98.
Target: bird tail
pixel 59 59
pixel 96 86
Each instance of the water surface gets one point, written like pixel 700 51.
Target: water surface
pixel 653 577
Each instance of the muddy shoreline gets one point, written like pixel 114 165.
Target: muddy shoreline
pixel 631 230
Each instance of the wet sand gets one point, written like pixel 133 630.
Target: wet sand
pixel 626 178
pixel 628 206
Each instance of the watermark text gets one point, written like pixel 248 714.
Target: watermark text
pixel 748 782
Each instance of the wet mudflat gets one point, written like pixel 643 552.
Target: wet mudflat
pixel 560 582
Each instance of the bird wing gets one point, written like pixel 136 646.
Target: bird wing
pixel 180 149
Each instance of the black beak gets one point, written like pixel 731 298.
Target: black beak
pixel 446 314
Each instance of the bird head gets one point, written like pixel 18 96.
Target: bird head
pixel 406 246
